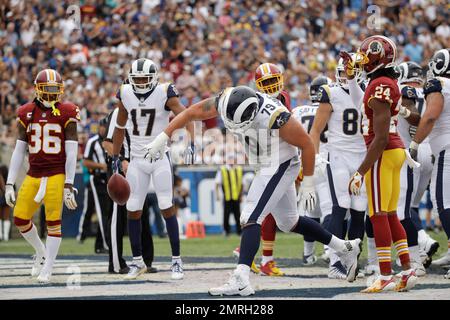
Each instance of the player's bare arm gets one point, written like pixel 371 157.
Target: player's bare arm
pixel 175 105
pixel 293 133
pixel 412 115
pixel 119 131
pixel 435 105
pixel 323 114
pixel 202 110
pixel 381 123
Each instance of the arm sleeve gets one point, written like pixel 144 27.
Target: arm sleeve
pixel 112 124
pixel 16 161
pixel 356 93
pixel 71 160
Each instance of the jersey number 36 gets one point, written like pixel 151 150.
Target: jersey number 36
pixel 41 138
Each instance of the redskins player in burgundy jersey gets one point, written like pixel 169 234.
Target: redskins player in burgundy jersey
pixel 384 159
pixel 48 130
pixel 269 79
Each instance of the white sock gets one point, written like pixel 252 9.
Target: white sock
pixel 308 248
pixel 414 254
pixel 337 244
pixel 372 257
pixel 138 260
pixel 52 245
pixel 176 259
pixel 244 270
pixel 33 238
pixel 265 259
pixel 6 229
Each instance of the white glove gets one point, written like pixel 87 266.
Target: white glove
pixel 307 194
pixel 320 165
pixel 404 112
pixel 69 198
pixel 155 149
pixel 10 195
pixel 355 184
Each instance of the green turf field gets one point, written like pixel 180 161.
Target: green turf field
pixel 287 246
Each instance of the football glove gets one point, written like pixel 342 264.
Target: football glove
pixel 69 197
pixel 320 165
pixel 307 194
pixel 348 63
pixel 414 150
pixel 155 149
pixel 355 184
pixel 404 112
pixel 10 195
pixel 189 154
pixel 116 164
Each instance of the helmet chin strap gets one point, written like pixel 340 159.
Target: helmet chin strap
pixel 55 110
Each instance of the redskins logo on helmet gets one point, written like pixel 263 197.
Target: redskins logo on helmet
pixel 49 88
pixel 376 52
pixel 269 79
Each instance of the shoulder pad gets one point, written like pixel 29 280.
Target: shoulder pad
pixel 324 94
pixel 432 85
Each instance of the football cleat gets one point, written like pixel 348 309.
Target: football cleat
pixel 44 277
pixel 337 271
pixel 270 269
pixel 407 282
pixel 349 258
pixel 431 246
pixel 38 264
pixel 447 276
pixel 237 285
pixel 254 268
pixel 326 255
pixel 444 261
pixel 309 260
pixel 380 285
pixel 371 269
pixel 177 270
pixel 136 269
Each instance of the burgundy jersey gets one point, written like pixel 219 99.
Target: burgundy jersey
pixel 45 136
pixel 386 90
pixel 285 99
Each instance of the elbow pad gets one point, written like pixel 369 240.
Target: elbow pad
pixel 71 160
pixel 16 161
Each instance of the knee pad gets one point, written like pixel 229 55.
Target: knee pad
pixel 54 228
pixel 23 225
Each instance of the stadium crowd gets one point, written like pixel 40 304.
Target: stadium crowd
pixel 201 46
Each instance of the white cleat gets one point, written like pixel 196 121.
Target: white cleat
pixel 337 271
pixel 136 269
pixel 309 260
pixel 326 255
pixel 430 247
pixel 177 270
pixel 372 269
pixel 349 258
pixel 447 276
pixel 38 264
pixel 44 277
pixel 444 261
pixel 237 285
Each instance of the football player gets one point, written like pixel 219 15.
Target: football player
pixel 382 164
pixel 48 130
pixel 411 83
pixel 435 123
pixel 144 109
pixel 271 138
pixel 346 150
pixel 305 115
pixel 269 80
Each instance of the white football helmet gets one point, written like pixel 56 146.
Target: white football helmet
pixel 141 69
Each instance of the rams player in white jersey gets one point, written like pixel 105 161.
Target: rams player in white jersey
pixel 144 108
pixel 346 150
pixel 410 83
pixel 305 115
pixel 435 124
pixel 272 139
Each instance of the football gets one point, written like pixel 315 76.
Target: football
pixel 118 189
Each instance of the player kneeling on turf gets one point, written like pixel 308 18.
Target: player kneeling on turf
pixel 245 112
